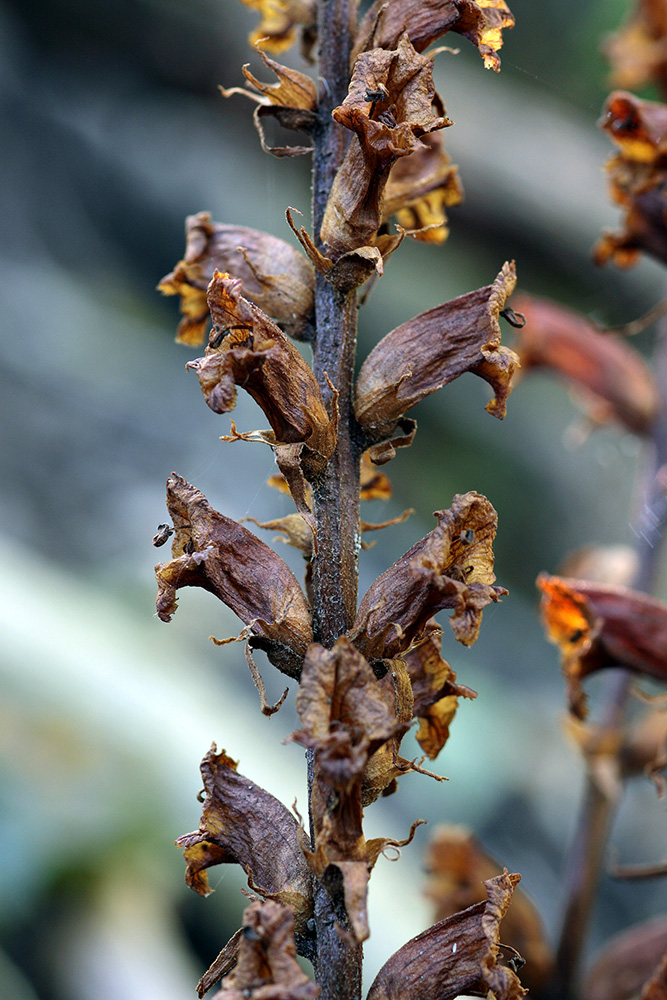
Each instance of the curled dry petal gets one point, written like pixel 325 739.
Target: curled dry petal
pixel 637 179
pixel 435 691
pixel 281 19
pixel 451 567
pixel 637 52
pixel 242 824
pixel 627 962
pixel 457 866
pixel 385 130
pixel 267 967
pixel 291 101
pixel 214 552
pixel 433 349
pixel 275 276
pixel 248 349
pixel 455 956
pixel 481 22
pixel 420 188
pixel 597 626
pixel 615 380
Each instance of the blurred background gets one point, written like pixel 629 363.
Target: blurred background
pixel 114 131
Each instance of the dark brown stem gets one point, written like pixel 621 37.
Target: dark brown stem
pixel 336 490
pixel 599 807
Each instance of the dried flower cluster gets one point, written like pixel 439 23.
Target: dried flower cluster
pixel 361 684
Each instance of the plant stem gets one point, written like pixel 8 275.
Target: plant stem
pixel 599 807
pixel 336 491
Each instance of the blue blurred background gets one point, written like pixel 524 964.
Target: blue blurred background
pixel 114 131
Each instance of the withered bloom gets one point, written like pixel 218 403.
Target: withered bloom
pixel 426 353
pixel 435 691
pixel 481 22
pixel 247 348
pixel 292 102
pixel 275 276
pixel 242 824
pixel 451 567
pixel 627 962
pixel 597 626
pixel 638 51
pixel 457 867
pixel 456 956
pixel 212 551
pixel 347 716
pixel 615 381
pixel 420 188
pixel 281 19
pixel 386 129
pixel 637 179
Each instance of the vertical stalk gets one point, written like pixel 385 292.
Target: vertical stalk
pixel 598 809
pixel 336 491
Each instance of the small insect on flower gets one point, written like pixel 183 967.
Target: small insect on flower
pixel 467 536
pixel 162 534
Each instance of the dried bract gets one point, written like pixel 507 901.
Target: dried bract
pixel 457 866
pixel 275 276
pixel 637 179
pixel 266 967
pixel 481 22
pixel 597 626
pixel 456 956
pixel 452 567
pixel 212 551
pixel 423 355
pixel 242 824
pixel 613 379
pixel 385 130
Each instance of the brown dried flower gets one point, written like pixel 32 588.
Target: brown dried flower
pixel 214 552
pixel 426 353
pixel 281 19
pixel 638 51
pixel 275 276
pixel 451 567
pixel 420 188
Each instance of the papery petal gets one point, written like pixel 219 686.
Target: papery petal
pixel 243 824
pixel 419 189
pixel 482 23
pixel 435 691
pixel 267 967
pixel 598 626
pixel 637 179
pixel 214 552
pixel 421 356
pixel 614 377
pixel 456 867
pixel 275 276
pixel 280 22
pixel 455 956
pixel 385 130
pixel 451 567
pixel 248 349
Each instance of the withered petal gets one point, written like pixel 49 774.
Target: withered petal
pixel 247 348
pixel 610 372
pixel 420 188
pixel 481 22
pixel 385 130
pixel 455 956
pixel 637 51
pixel 216 553
pixel 597 626
pixel 626 962
pixel 456 866
pixel 280 21
pixel 293 90
pixel 451 567
pixel 275 276
pixel 423 355
pixel 243 824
